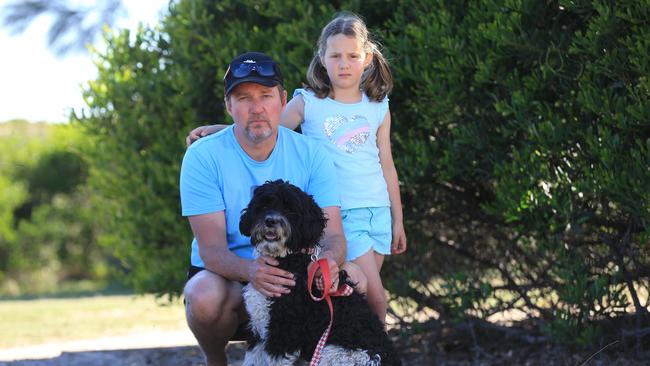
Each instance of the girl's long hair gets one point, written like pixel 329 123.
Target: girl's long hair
pixel 376 81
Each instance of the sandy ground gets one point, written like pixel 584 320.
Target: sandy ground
pixel 177 348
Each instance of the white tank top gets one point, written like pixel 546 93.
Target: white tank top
pixel 349 134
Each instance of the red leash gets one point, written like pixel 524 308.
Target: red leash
pixel 343 290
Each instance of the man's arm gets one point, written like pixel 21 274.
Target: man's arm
pixel 210 232
pixel 333 244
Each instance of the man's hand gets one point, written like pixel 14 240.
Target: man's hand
pixel 269 280
pixel 334 272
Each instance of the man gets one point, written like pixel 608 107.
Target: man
pixel 218 176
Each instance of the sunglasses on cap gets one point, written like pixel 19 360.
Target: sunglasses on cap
pixel 264 68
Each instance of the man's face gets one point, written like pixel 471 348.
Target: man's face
pixel 256 110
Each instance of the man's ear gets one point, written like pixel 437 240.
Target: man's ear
pixel 228 105
pixel 283 95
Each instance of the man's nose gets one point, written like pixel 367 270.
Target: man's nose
pixel 257 106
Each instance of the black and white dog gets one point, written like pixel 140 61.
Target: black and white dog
pixel 286 223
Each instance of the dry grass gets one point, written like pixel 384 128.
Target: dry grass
pixel 39 321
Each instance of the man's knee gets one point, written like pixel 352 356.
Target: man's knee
pixel 209 297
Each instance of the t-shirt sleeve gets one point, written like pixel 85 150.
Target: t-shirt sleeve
pixel 200 190
pixel 383 108
pixel 307 95
pixel 322 182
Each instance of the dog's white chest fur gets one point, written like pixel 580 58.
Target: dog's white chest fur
pixel 258 307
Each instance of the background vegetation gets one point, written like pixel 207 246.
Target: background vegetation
pixel 59 320
pixel 48 230
pixel 521 135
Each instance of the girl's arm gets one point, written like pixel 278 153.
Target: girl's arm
pixel 398 244
pixel 202 131
pixel 292 117
pixel 294 113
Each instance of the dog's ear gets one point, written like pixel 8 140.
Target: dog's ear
pixel 315 221
pixel 247 214
pixel 311 219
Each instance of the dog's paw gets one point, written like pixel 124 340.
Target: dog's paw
pixel 375 361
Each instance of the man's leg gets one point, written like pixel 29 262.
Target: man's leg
pixel 213 308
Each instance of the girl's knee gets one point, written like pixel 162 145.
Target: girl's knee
pixel 378 298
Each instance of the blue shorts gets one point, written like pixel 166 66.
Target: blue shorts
pixel 367 228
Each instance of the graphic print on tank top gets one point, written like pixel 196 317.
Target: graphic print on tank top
pixel 348 134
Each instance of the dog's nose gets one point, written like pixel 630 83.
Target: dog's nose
pixel 270 221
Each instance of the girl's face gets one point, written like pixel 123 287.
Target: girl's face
pixel 345 61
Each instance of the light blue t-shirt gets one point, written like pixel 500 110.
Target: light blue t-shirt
pixel 218 175
pixel 349 134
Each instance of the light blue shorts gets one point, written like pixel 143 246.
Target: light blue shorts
pixel 367 228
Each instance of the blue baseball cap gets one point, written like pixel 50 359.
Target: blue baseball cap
pixel 252 67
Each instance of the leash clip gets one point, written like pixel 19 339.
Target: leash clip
pixel 315 253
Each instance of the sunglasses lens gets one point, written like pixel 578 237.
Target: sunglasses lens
pixel 263 69
pixel 241 70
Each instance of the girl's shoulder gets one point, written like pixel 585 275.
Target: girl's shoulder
pixel 306 94
pixel 383 108
pixel 380 107
pixel 384 101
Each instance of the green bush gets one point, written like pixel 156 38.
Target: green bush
pixel 48 232
pixel 150 92
pixel 521 137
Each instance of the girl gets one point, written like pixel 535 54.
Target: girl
pixel 345 106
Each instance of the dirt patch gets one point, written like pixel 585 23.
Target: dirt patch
pixel 424 348
pixel 443 344
pixel 170 356
pixel 191 356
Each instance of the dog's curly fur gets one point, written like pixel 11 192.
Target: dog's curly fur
pixel 285 222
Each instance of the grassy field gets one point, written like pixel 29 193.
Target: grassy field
pixel 39 321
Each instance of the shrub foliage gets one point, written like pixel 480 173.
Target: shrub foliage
pixel 48 232
pixel 521 135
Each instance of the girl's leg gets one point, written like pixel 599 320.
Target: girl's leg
pixel 379 260
pixel 375 289
pixel 356 276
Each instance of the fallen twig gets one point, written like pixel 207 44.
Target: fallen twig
pixel 599 351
